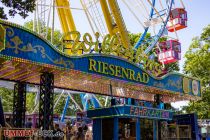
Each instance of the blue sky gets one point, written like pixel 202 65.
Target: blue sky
pixel 198 18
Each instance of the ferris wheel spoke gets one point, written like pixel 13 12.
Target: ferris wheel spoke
pixel 133 13
pixel 139 42
pixel 145 7
pixel 161 31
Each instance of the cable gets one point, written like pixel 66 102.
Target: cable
pixel 161 4
pixel 182 4
pixel 147 11
pixel 155 10
pixel 92 19
pixel 129 8
pixel 86 13
pixel 141 7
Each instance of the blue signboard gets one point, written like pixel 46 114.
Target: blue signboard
pixel 130 111
pixel 26 46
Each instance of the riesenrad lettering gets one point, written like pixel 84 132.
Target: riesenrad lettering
pixel 110 45
pixel 117 71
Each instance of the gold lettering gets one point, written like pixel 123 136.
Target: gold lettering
pixel 75 45
pixel 111 44
pixel 117 71
pixel 111 68
pixel 105 68
pixel 114 45
pixel 132 73
pixel 96 48
pixel 145 78
pixel 99 66
pixel 138 78
pixel 89 41
pixel 105 46
pixel 124 73
pixel 92 65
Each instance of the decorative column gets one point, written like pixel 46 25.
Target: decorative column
pixel 157 123
pixel 116 127
pixel 155 131
pixel 19 105
pixel 97 129
pixel 46 101
pixel 138 129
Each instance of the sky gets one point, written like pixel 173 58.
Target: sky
pixel 198 17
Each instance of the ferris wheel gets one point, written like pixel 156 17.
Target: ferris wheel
pixel 154 19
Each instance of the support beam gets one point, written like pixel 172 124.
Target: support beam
pixel 19 105
pixel 97 127
pixel 46 101
pixel 116 128
pixel 155 133
pixel 138 129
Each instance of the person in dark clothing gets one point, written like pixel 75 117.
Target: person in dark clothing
pixel 56 131
pixel 29 123
pixel 80 134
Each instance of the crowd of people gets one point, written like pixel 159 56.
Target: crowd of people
pixel 70 131
pixel 74 132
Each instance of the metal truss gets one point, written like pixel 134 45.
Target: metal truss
pixel 19 105
pixel 46 101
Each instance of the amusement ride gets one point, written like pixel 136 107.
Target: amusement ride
pixel 154 17
pixel 157 21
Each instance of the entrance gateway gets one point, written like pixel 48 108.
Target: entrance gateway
pixel 27 58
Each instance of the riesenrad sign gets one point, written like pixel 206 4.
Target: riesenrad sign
pixel 90 72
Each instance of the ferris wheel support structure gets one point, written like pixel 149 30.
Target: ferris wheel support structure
pixel 146 29
pixel 161 31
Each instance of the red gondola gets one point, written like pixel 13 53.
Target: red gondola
pixel 170 51
pixel 178 19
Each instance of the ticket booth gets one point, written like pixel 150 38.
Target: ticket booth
pixel 126 122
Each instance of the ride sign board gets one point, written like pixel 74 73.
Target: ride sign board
pixel 2 37
pixel 130 111
pixel 26 47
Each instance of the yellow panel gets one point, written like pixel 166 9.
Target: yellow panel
pixel 62 16
pixel 67 22
pixel 120 23
pixel 107 16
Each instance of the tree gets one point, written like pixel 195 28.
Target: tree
pixel 7 99
pixel 197 65
pixel 57 33
pixel 21 7
pixel 72 109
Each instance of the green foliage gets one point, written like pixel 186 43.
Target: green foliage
pixel 72 109
pixel 20 7
pixel 197 64
pixel 202 107
pixel 57 33
pixel 7 99
pixel 30 102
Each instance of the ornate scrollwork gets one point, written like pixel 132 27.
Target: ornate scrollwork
pixel 16 43
pixel 177 84
pixel 158 84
